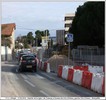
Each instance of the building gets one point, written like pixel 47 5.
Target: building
pixel 7 40
pixel 60 35
pixel 51 42
pixel 53 39
pixel 45 40
pixel 7 32
pixel 68 21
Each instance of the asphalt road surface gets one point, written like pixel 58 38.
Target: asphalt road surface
pixel 38 84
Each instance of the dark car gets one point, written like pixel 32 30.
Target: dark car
pixel 27 62
pixel 20 55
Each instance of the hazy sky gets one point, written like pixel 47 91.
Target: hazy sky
pixel 32 16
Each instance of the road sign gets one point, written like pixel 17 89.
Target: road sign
pixel 69 37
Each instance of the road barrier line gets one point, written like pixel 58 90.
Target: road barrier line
pixel 44 93
pixel 30 83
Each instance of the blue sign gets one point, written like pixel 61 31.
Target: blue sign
pixel 69 37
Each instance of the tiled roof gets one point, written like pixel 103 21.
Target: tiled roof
pixel 7 29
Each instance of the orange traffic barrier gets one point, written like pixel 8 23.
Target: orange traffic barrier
pixel 86 79
pixel 60 68
pixel 70 74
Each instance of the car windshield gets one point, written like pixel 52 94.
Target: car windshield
pixel 28 58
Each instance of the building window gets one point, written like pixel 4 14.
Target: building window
pixel 69 18
pixel 67 25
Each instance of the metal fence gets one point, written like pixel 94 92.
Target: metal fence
pixel 77 57
pixel 90 56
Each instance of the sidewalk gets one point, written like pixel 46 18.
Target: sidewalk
pixel 9 62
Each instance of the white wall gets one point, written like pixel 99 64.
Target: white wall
pixel 4 51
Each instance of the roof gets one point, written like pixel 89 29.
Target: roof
pixel 7 29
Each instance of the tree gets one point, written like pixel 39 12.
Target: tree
pixel 6 41
pixel 22 39
pixel 39 34
pixel 30 38
pixel 88 24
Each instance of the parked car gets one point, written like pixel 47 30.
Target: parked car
pixel 27 62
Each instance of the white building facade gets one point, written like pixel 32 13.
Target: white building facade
pixel 68 21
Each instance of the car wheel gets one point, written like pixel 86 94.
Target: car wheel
pixel 19 70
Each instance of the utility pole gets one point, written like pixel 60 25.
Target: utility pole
pixel 46 44
pixel 5 50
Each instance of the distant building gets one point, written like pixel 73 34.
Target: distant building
pixel 54 40
pixel 51 42
pixel 45 40
pixel 68 21
pixel 60 35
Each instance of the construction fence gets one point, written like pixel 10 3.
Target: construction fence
pixel 90 56
pixel 78 56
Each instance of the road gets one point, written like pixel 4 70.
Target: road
pixel 39 84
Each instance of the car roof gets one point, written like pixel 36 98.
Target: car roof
pixel 27 55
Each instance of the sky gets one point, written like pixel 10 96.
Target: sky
pixel 32 16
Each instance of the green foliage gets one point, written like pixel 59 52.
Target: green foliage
pixel 30 38
pixel 23 39
pixel 6 41
pixel 88 24
pixel 39 35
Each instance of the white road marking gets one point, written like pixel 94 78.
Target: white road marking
pixel 38 76
pixel 11 65
pixel 30 83
pixel 44 93
pixel 25 77
pixel 48 76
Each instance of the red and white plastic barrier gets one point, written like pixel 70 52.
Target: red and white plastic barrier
pixel 60 68
pixel 40 64
pixel 77 77
pixel 84 68
pixel 44 66
pixel 65 72
pixel 48 68
pixel 86 79
pixel 81 76
pixel 70 74
pixel 97 82
pixel 96 69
